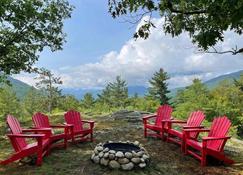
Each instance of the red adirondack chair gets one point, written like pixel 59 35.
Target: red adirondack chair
pixel 194 121
pixel 42 121
pixel 213 144
pixel 20 145
pixel 163 113
pixel 78 130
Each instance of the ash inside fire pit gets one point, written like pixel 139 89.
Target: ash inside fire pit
pixel 121 155
pixel 123 147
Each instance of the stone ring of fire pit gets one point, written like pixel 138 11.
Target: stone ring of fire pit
pixel 121 155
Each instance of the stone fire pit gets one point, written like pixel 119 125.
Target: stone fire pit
pixel 121 155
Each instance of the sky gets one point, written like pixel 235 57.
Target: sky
pixel 99 48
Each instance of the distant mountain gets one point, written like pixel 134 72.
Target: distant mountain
pixel 79 93
pixel 19 87
pixel 212 83
pixel 230 77
pixel 22 88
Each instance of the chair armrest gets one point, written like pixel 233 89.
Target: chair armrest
pixel 87 121
pixel 37 129
pixel 69 125
pixel 27 135
pixel 59 126
pixel 90 122
pixel 174 121
pixel 149 116
pixel 196 130
pixel 192 127
pixel 46 131
pixel 215 138
pixel 146 118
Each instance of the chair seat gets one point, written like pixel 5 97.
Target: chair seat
pixel 84 131
pixel 154 127
pixel 57 137
pixel 198 145
pixel 34 145
pixel 175 133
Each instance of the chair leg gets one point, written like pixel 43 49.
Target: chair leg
pixel 203 158
pixel 183 143
pixel 145 132
pixel 168 137
pixel 65 142
pixel 185 149
pixel 91 136
pixel 39 157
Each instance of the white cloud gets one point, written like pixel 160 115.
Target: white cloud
pixel 138 60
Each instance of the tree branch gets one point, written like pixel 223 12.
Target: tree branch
pixel 233 51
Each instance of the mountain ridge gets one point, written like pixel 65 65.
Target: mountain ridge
pixel 22 88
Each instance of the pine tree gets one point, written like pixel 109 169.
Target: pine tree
pixel 115 94
pixel 47 83
pixel 158 89
pixel 88 101
pixel 119 92
pixel 68 102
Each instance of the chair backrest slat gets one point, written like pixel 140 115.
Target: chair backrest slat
pixel 163 113
pixel 41 120
pixel 74 118
pixel 14 125
pixel 219 128
pixel 195 119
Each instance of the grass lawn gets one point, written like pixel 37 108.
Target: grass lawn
pixel 166 158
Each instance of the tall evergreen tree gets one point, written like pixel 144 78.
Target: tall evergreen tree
pixel 88 101
pixel 68 102
pixel 115 94
pixel 119 92
pixel 158 89
pixel 48 83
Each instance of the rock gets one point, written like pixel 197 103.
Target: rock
pixel 140 153
pixel 96 151
pixel 99 148
pixel 142 165
pixel 112 152
pixel 92 157
pixel 134 154
pixel 96 159
pixel 142 160
pixel 119 154
pixel 128 155
pixel 112 156
pixel 106 150
pixel 104 161
pixel 127 166
pixel 114 164
pixel 145 157
pixel 136 143
pixel 136 160
pixel 123 160
pixel 101 154
pixel 106 155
